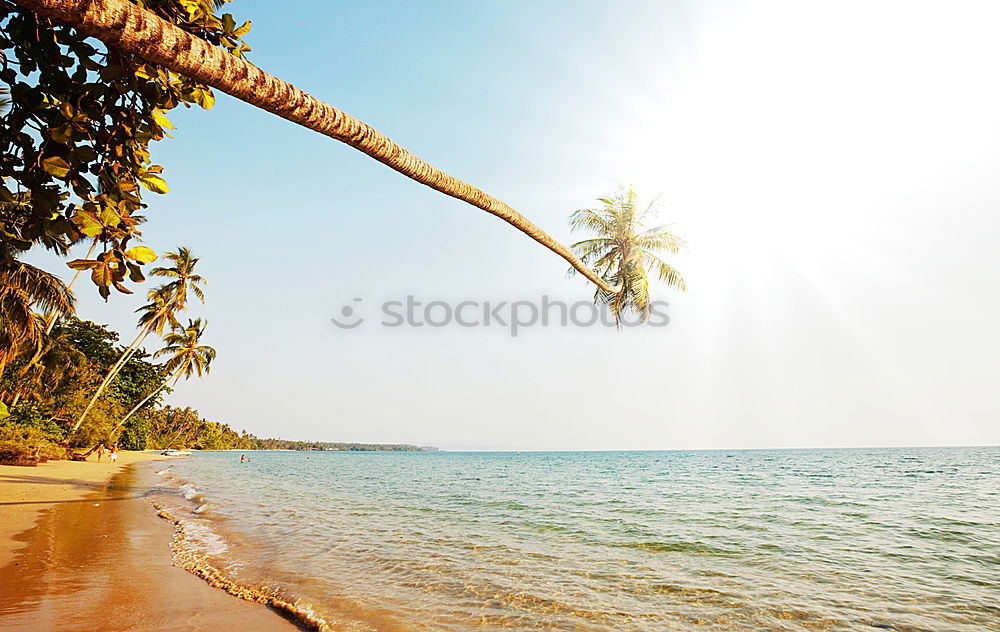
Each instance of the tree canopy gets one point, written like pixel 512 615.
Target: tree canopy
pixel 76 135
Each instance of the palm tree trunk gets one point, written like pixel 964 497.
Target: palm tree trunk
pixel 171 442
pixel 145 331
pixel 51 317
pixel 142 403
pixel 123 25
pixel 112 374
pixel 23 372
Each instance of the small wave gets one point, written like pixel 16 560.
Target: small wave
pixel 200 537
pixel 189 555
pixel 699 548
pixel 201 508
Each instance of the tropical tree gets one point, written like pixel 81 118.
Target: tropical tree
pixel 52 359
pixel 187 357
pixel 79 124
pixel 165 302
pixel 183 277
pixel 24 287
pixel 126 27
pixel 624 249
pixel 48 322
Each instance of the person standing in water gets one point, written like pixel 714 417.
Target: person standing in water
pixel 243 458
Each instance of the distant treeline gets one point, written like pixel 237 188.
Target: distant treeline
pixel 45 388
pixel 282 444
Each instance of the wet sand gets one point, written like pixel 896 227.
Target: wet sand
pixel 80 551
pixel 26 492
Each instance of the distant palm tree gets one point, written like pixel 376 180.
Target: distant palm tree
pixel 187 357
pixel 165 301
pixel 184 278
pixel 124 25
pixel 623 251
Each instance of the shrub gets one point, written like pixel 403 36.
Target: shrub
pixel 25 445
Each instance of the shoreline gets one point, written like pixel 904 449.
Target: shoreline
pixel 79 543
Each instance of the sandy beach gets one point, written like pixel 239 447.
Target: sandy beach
pixel 80 547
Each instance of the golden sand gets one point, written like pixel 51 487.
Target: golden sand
pixel 83 550
pixel 25 492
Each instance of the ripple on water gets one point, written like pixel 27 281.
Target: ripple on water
pixel 772 540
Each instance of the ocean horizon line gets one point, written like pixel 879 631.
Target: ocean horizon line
pixel 636 450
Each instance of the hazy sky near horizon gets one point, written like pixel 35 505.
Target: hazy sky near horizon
pixel 832 165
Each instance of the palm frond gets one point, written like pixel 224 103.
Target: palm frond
pixel 666 272
pixel 621 251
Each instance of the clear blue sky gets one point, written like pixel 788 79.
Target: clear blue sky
pixel 832 166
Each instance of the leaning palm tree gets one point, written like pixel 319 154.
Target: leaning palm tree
pixel 624 249
pixel 164 303
pixel 55 361
pixel 52 317
pixel 123 25
pixel 23 287
pixel 184 278
pixel 187 358
pixel 48 322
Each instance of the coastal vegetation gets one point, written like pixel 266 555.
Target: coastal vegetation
pixel 71 364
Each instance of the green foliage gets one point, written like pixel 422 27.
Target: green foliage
pixel 186 356
pixel 25 441
pixel 31 415
pixel 52 385
pixel 135 436
pixel 137 379
pixel 95 342
pixel 76 133
pixel 623 249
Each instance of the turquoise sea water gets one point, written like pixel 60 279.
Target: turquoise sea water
pixel 880 539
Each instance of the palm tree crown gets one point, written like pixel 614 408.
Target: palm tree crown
pixel 24 288
pixel 184 278
pixel 187 356
pixel 156 315
pixel 624 249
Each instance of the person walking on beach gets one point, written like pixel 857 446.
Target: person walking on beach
pixel 114 454
pixel 100 452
